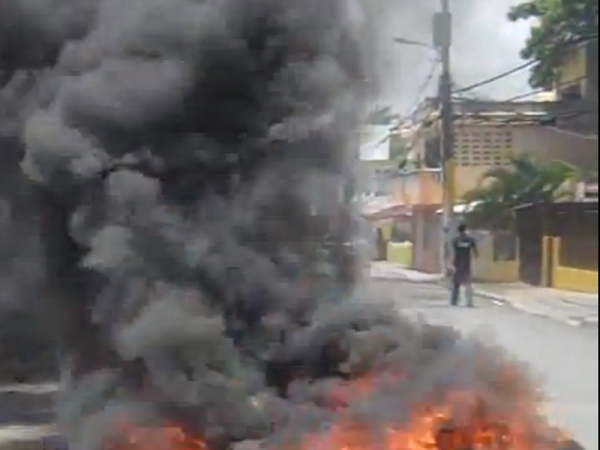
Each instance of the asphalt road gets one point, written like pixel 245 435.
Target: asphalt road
pixel 566 357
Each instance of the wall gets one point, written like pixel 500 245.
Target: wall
pixel 400 253
pixel 475 156
pixel 468 178
pixel 417 187
pixel 370 177
pixel 420 193
pixel 488 267
pixel 573 68
pixel 427 234
pixel 491 133
pixel 580 68
pixel 478 148
pixel 570 278
pixel 548 144
pixel 383 229
pixel 591 87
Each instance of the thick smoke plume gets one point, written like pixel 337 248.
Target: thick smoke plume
pixel 188 160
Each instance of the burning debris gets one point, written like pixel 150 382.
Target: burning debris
pixel 186 158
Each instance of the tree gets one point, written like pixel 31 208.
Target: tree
pixel 561 25
pixel 503 189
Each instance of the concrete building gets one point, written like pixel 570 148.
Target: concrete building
pixel 558 245
pixel 489 134
pixel 374 166
pixel 577 76
pixel 577 84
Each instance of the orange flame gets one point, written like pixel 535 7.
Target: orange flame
pixel 460 422
pixel 357 389
pixel 167 437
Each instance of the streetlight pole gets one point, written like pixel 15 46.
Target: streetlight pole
pixel 442 26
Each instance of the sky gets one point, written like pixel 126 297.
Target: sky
pixel 485 43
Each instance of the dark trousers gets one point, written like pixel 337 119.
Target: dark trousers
pixel 462 278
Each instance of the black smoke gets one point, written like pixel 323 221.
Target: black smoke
pixel 186 162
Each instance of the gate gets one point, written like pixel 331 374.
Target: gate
pixel 530 230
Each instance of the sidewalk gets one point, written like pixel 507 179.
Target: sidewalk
pixel 384 270
pixel 574 308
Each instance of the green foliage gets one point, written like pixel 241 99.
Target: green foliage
pixel 503 189
pixel 561 24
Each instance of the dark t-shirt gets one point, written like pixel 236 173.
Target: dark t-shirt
pixel 464 245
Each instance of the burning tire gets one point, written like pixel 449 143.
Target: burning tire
pixel 171 141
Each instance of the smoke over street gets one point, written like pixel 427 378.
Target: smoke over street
pixel 185 159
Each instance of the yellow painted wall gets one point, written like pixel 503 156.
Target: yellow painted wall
pixel 468 178
pixel 569 278
pixel 497 271
pixel 420 187
pixel 576 279
pixel 400 253
pixel 386 226
pixel 487 270
pixel 574 66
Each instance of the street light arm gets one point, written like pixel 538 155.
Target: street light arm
pixel 405 41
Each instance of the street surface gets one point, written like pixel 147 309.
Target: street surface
pixel 566 357
pixel 26 414
pixel 574 308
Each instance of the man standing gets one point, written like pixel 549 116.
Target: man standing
pixel 464 248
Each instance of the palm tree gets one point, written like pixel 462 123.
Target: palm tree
pixel 524 181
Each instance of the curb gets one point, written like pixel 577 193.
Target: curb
pixel 591 321
pixel 404 280
pixel 585 322
pixel 395 277
pixel 499 300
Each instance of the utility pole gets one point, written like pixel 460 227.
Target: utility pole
pixel 442 31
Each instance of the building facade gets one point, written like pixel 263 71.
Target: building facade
pixel 577 75
pixel 577 85
pixel 489 134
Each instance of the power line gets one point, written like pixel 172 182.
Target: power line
pixel 523 66
pixel 516 97
pixel 525 95
pixel 541 91
pixel 589 137
pixel 495 78
pixel 423 87
pixel 520 117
